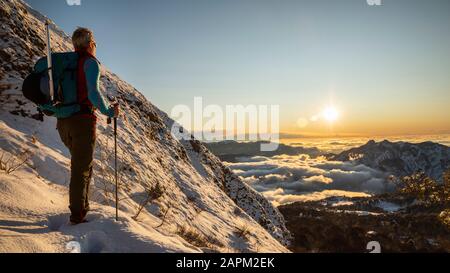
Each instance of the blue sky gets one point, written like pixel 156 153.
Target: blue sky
pixel 385 68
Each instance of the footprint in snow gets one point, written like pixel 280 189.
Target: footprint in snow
pixel 55 222
pixel 95 242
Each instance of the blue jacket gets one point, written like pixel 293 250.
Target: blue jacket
pixel 92 72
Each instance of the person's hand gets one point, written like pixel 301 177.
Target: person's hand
pixel 116 110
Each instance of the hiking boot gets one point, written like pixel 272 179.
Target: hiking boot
pixel 74 222
pixel 78 218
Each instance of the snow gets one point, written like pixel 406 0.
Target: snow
pixel 34 215
pixel 200 192
pixel 341 203
pixel 388 206
pixel 402 158
pixel 359 212
pixel 432 242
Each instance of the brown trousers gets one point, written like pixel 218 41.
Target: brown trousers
pixel 78 134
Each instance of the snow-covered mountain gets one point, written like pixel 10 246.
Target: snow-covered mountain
pixel 204 206
pixel 401 158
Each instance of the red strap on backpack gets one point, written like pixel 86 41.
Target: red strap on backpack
pixel 87 109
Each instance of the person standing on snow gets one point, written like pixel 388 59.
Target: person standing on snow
pixel 78 132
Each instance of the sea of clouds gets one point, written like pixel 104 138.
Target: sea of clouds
pixel 285 179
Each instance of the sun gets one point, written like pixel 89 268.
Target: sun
pixel 330 114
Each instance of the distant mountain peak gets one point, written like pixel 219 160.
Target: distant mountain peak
pixel 401 158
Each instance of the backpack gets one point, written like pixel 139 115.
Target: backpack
pixel 36 85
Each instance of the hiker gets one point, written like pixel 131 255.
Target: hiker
pixel 78 132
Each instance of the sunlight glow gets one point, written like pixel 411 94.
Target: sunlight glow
pixel 330 114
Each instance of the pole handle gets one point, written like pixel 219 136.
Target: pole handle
pixel 109 121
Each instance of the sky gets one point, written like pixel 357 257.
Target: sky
pixel 384 69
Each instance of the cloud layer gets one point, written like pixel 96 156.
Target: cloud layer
pixel 283 179
pixel 340 144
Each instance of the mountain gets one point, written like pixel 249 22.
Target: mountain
pixel 231 150
pixel 203 207
pixel 401 158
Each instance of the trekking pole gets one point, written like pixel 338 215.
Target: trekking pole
pixel 49 61
pixel 115 168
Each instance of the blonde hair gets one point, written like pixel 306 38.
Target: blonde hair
pixel 82 37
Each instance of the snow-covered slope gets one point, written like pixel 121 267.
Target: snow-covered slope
pixel 200 195
pixel 401 158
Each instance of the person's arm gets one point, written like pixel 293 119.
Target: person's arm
pixel 92 72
